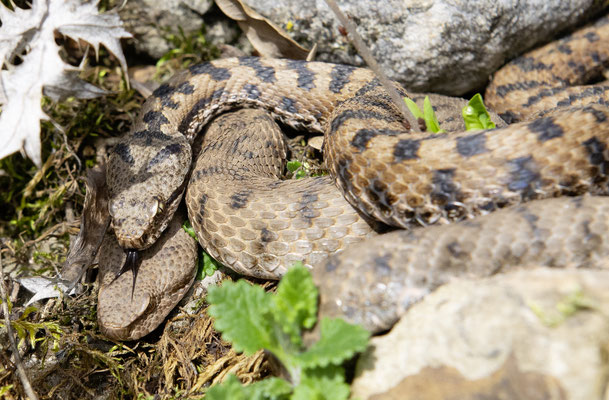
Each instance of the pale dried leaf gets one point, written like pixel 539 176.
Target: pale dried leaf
pixel 86 24
pixel 45 288
pixel 267 38
pixel 69 84
pixel 30 35
pixel 21 115
pixel 18 28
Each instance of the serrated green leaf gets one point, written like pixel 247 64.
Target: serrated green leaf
pixel 476 116
pixel 292 166
pixel 295 303
pixel 339 341
pixel 270 388
pixel 230 389
pixel 306 392
pixel 431 121
pixel 253 319
pixel 322 384
pixel 414 109
pixel 240 312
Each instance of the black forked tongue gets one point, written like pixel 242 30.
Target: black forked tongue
pixel 131 264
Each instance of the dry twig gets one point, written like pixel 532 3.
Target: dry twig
pixel 363 50
pixel 25 381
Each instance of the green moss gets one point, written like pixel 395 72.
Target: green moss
pixel 186 49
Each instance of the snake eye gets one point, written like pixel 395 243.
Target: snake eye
pixel 156 206
pixel 112 208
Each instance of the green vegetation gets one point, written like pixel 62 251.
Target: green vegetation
pixel 298 169
pixel 207 265
pixel 35 332
pixel 475 115
pixel 35 200
pixel 253 319
pixel 186 50
pixel 563 309
pixel 427 115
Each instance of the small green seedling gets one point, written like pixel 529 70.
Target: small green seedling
pixel 428 115
pixel 297 168
pixel 565 308
pixel 253 319
pixel 207 265
pixel 475 115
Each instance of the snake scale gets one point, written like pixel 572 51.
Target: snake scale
pixel 255 223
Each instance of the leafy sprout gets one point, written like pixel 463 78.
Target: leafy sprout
pixel 475 115
pixel 253 319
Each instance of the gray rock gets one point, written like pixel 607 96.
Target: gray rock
pixel 444 46
pixel 149 20
pixel 534 334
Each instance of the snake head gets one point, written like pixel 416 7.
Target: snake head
pixel 146 182
pixel 139 221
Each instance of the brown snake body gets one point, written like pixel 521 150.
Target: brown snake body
pixel 258 225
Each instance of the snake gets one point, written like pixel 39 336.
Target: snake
pixel 400 213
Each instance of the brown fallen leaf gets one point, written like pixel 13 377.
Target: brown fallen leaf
pixel 93 226
pixel 267 38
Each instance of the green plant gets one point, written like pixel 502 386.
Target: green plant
pixel 186 49
pixel 563 309
pixel 474 114
pixel 253 319
pixel 28 331
pixel 207 265
pixel 428 115
pixel 298 169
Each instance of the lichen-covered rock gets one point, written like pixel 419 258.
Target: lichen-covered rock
pixel 150 20
pixel 445 46
pixel 531 334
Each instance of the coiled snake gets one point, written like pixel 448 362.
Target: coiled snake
pixel 257 224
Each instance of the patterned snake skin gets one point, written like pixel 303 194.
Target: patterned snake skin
pixel 259 225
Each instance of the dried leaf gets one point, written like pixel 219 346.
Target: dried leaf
pixel 93 226
pixel 267 38
pixel 45 288
pixel 29 35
